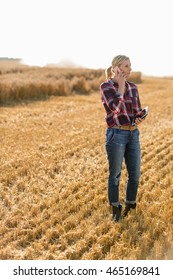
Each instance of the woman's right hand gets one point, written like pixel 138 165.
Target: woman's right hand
pixel 120 79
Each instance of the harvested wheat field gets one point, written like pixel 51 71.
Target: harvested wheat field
pixel 53 180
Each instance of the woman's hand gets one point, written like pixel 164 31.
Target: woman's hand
pixel 120 79
pixel 139 121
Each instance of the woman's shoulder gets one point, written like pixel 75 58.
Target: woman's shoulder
pixel 106 84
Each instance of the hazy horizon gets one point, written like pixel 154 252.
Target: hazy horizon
pixel 89 33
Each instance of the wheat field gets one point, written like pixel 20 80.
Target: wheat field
pixel 53 180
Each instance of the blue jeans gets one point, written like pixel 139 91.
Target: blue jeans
pixel 123 144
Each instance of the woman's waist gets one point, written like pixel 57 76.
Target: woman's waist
pixel 120 121
pixel 124 127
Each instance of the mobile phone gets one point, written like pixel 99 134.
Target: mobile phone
pixel 117 70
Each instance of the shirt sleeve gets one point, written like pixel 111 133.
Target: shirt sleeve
pixel 111 97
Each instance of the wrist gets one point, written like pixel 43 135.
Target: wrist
pixel 121 90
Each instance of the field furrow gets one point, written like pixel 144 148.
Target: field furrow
pixel 53 181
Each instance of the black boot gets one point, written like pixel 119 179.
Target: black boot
pixel 128 207
pixel 116 212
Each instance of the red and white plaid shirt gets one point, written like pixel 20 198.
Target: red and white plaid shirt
pixel 120 111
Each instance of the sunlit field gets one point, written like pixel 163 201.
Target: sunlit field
pixel 53 175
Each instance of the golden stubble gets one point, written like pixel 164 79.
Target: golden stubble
pixel 53 180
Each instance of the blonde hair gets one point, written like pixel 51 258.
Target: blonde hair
pixel 116 61
pixel 109 73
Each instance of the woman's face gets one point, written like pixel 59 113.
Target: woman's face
pixel 126 67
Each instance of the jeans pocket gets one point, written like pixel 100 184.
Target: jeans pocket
pixel 109 135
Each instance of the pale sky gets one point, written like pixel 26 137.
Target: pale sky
pixel 89 32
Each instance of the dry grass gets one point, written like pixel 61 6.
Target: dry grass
pixel 21 83
pixel 53 181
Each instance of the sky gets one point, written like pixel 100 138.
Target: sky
pixel 89 33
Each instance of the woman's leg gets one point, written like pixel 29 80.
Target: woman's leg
pixel 115 147
pixel 133 162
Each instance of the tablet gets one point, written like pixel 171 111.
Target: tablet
pixel 143 113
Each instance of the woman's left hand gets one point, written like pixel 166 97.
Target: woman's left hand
pixel 139 121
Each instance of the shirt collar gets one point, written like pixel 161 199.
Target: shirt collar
pixel 115 83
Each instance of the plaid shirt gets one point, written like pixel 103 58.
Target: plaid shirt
pixel 120 110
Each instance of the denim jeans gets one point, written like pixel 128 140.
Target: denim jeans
pixel 123 144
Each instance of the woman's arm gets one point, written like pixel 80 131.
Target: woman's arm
pixel 112 98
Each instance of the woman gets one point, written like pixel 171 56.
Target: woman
pixel 121 102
